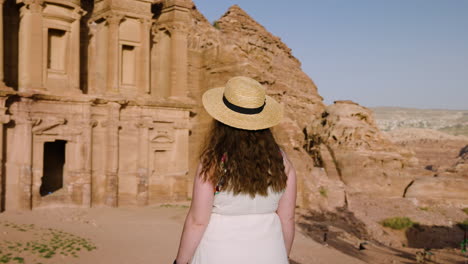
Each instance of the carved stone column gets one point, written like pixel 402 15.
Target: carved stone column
pixel 181 134
pixel 30 64
pixel 113 22
pixel 143 164
pixel 92 75
pixel 24 141
pixel 161 62
pixel 4 119
pixel 179 61
pixel 87 149
pixel 74 63
pixel 2 73
pixel 112 155
pixel 2 57
pixel 144 77
pixel 174 19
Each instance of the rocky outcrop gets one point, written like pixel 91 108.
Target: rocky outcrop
pixel 336 149
pixel 445 160
pixel 436 151
pixel 237 45
pixel 461 166
pixel 365 159
pixel 449 189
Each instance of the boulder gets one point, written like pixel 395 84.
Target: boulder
pixel 365 159
pixel 448 190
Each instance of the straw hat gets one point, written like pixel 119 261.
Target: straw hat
pixel 243 103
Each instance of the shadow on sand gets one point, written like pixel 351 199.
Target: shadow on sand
pixel 328 227
pixel 343 231
pixel 435 237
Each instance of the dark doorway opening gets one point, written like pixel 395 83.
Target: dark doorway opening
pixel 54 159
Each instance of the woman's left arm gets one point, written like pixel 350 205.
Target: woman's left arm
pixel 287 205
pixel 197 218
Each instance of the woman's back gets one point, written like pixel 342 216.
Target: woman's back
pixel 250 219
pixel 226 203
pixel 243 229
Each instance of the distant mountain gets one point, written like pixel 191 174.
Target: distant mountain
pixel 453 122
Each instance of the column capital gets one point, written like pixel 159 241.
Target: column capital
pixel 78 13
pixel 34 6
pixel 157 30
pixel 146 22
pixel 114 18
pixel 116 105
pixel 27 120
pixel 179 27
pixel 88 123
pixel 179 3
pixel 145 122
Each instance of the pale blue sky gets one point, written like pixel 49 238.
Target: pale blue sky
pixel 409 53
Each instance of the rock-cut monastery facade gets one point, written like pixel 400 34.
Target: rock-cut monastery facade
pixel 94 104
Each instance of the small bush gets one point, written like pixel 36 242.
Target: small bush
pixel 398 223
pixel 465 210
pixel 323 191
pixel 424 208
pixel 463 225
pixel 216 25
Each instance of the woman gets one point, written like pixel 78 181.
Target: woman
pixel 244 192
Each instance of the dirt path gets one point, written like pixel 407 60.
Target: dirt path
pixel 126 236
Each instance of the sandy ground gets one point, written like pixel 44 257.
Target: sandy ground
pixel 149 235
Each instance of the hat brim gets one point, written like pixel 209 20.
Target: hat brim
pixel 270 116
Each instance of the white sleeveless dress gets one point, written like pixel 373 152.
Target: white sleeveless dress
pixel 243 230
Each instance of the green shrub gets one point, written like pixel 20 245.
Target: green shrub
pixel 398 223
pixel 463 225
pixel 323 191
pixel 216 25
pixel 465 210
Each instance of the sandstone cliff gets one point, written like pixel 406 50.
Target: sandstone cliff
pixel 365 159
pixel 435 150
pixel 337 150
pixel 238 45
pixel 444 158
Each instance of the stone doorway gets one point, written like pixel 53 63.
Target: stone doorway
pixel 54 161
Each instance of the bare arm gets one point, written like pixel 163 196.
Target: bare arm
pixel 197 218
pixel 287 205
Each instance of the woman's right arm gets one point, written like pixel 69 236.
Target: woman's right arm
pixel 287 205
pixel 197 218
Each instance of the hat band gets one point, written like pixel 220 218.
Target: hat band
pixel 243 110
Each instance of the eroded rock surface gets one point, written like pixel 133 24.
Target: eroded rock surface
pixel 365 159
pixel 435 150
pixel 238 45
pixel 444 158
pixel 449 189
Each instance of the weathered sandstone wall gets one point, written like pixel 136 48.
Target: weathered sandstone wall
pixel 435 150
pixel 444 159
pixel 238 45
pixel 365 159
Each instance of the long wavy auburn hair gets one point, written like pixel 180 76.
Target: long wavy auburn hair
pixel 244 161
